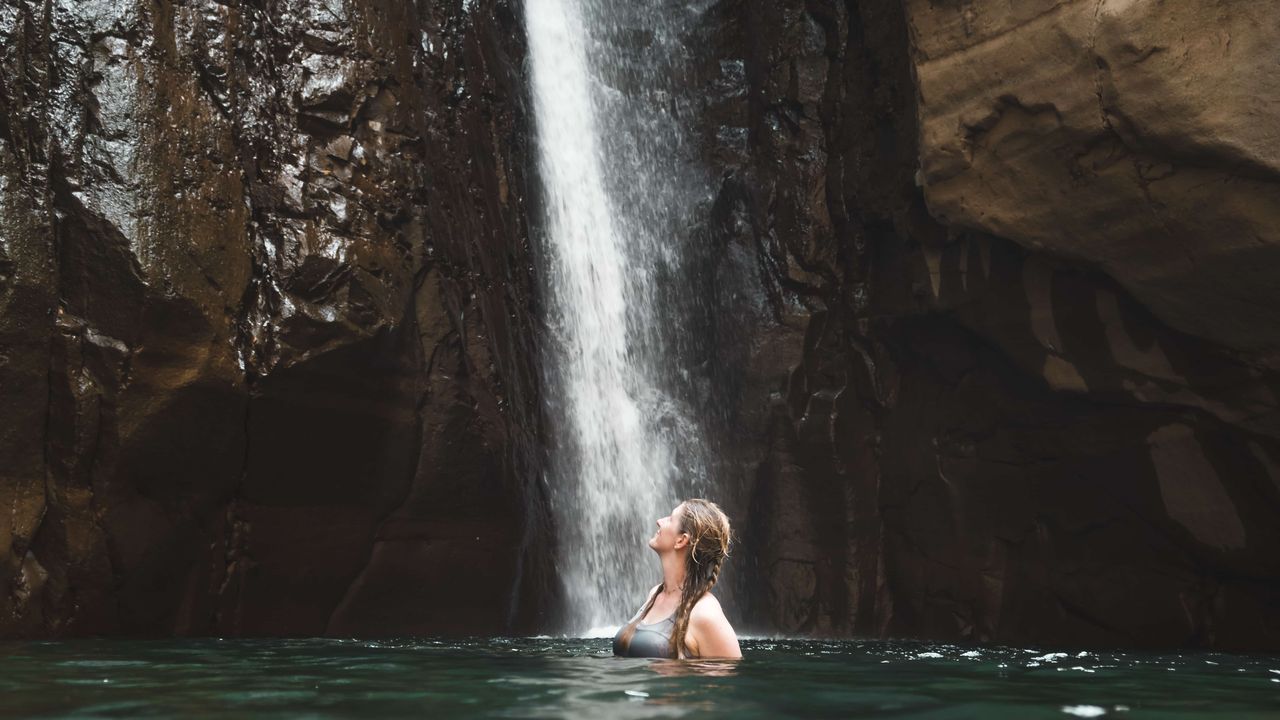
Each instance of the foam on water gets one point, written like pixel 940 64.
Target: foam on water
pixel 602 631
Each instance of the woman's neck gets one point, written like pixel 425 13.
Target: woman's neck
pixel 673 570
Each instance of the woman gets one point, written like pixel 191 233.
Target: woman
pixel 681 618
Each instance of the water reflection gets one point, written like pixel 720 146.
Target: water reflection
pixel 695 668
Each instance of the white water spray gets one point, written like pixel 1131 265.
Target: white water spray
pixel 618 195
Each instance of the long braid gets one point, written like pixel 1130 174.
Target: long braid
pixel 710 545
pixel 687 601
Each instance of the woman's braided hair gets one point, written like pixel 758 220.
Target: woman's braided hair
pixel 709 535
pixel 708 529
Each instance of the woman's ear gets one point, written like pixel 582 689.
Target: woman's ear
pixel 682 540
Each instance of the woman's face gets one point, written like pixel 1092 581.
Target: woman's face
pixel 668 534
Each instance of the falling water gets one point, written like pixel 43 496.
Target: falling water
pixel 621 192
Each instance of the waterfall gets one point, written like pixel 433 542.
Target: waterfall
pixel 621 189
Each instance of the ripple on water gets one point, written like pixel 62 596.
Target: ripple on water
pixel 574 678
pixel 104 663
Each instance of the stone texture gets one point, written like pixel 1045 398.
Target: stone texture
pixel 265 319
pixel 985 344
pixel 1137 137
pixel 1015 263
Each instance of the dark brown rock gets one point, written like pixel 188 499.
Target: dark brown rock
pixel 1135 137
pixel 985 345
pixel 994 432
pixel 266 328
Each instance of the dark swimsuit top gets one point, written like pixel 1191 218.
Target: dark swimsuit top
pixel 652 640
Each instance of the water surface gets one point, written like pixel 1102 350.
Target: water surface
pixel 555 678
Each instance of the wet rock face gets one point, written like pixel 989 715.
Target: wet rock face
pixel 264 282
pixel 985 340
pixel 1128 135
pixel 1016 265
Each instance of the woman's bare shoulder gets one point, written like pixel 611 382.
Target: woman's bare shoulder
pixel 707 607
pixel 710 630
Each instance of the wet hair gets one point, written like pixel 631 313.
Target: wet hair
pixel 709 534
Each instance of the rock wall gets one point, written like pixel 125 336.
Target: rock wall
pixel 1017 265
pixel 266 350
pixel 985 341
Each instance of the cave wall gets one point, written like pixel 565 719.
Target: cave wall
pixel 1015 271
pixel 266 346
pixel 987 349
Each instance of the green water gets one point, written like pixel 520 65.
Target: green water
pixel 555 678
